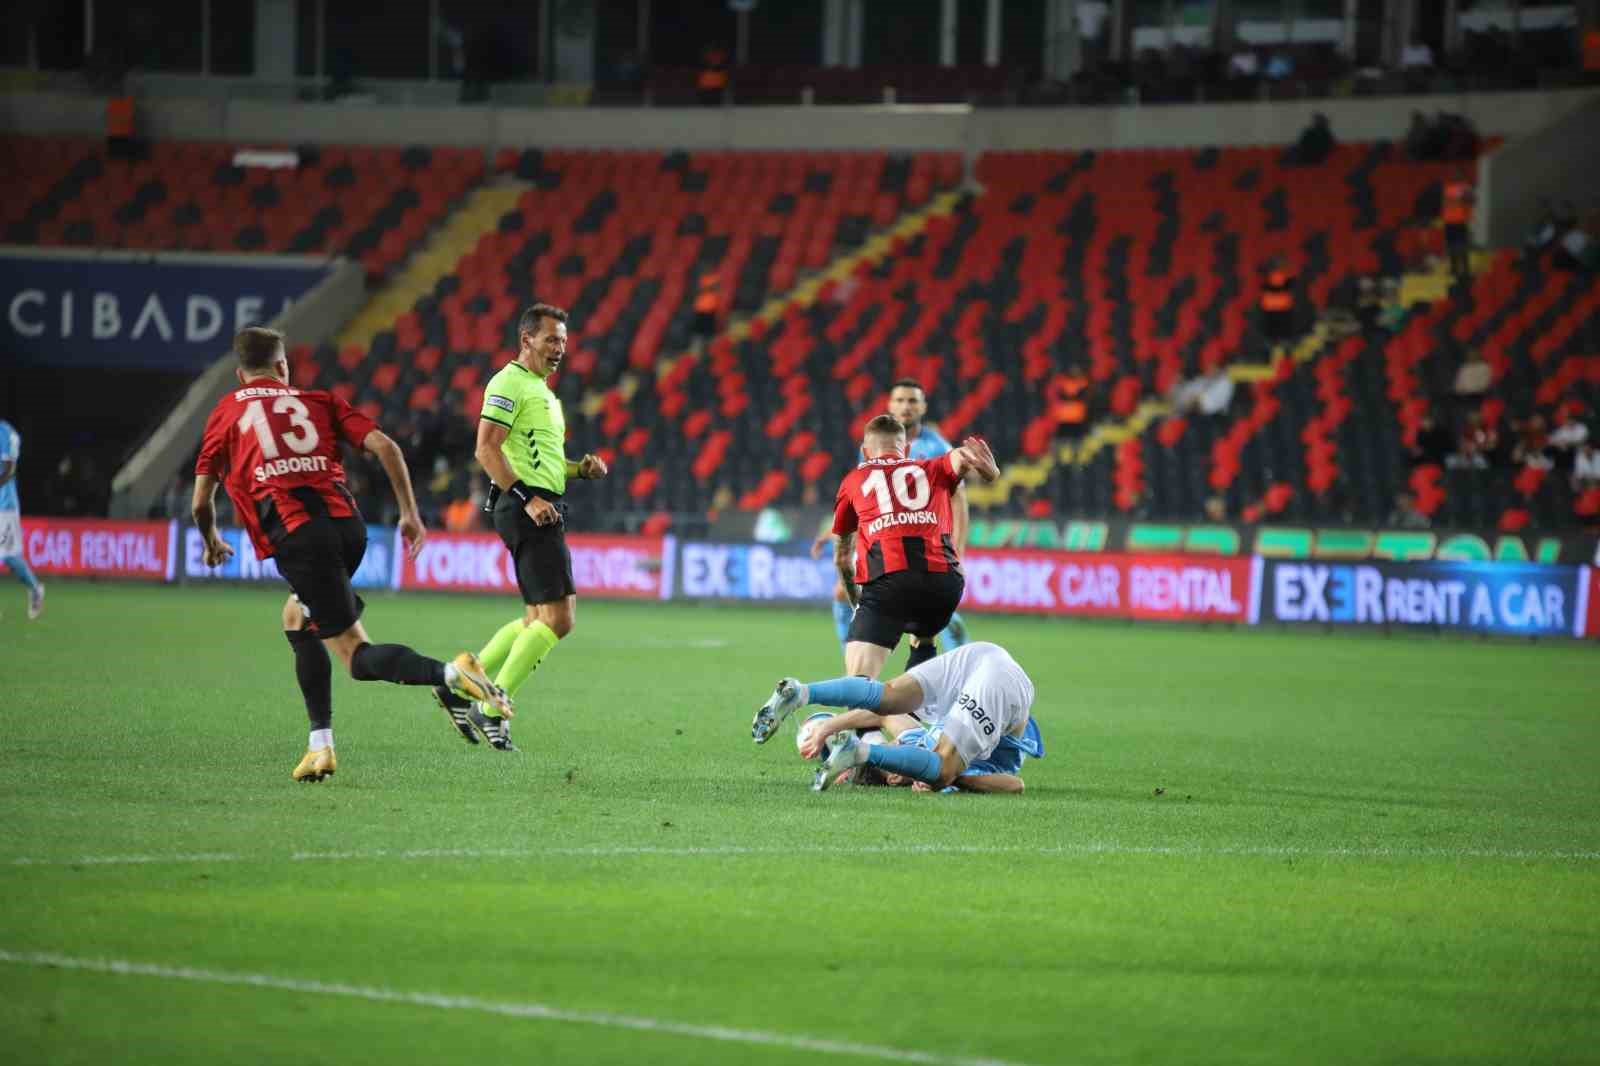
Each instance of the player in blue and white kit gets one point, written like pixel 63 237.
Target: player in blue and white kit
pixel 11 552
pixel 976 695
pixel 1001 771
pixel 908 403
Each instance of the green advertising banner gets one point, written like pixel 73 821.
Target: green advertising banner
pixel 1285 542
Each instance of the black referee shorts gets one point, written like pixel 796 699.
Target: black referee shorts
pixel 918 602
pixel 318 560
pixel 1455 237
pixel 543 563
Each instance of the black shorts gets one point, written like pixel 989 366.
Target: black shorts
pixel 1278 325
pixel 705 324
pixel 918 602
pixel 1455 236
pixel 544 565
pixel 318 560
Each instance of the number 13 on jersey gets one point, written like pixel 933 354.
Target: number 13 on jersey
pixel 301 436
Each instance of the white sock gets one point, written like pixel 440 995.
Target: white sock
pixel 321 738
pixel 451 676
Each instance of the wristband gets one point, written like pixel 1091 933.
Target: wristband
pixel 521 491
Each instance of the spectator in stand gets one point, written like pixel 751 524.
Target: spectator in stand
pixel 1532 447
pixel 1214 392
pixel 707 304
pixel 1216 509
pixel 1579 251
pixel 463 514
pixel 1277 306
pixel 1280 66
pixel 1543 234
pixel 1416 63
pixel 1419 137
pixel 1478 441
pixel 1244 68
pixel 1433 444
pixel 1473 379
pixel 712 81
pixel 1456 214
pixel 1369 305
pixel 1569 435
pixel 1405 514
pixel 1586 468
pixel 1393 313
pixel 1316 143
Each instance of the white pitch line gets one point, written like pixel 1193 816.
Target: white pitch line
pixel 540 1011
pixel 1085 849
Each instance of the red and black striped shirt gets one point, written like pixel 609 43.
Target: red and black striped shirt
pixel 901 510
pixel 276 449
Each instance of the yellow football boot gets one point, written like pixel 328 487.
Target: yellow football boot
pixel 471 683
pixel 316 765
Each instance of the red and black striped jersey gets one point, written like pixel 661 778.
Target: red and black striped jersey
pixel 276 450
pixel 900 509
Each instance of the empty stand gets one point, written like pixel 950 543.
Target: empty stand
pixel 372 204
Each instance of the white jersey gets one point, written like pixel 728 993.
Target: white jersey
pixel 975 694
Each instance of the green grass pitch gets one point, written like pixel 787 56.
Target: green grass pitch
pixel 1243 848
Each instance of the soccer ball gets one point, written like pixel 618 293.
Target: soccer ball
pixel 807 727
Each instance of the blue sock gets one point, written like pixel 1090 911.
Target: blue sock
pixel 919 763
pixel 19 566
pixel 841 619
pixel 949 637
pixel 846 692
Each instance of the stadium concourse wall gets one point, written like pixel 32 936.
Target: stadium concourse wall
pixel 941 127
pixel 1554 164
pixel 1503 598
pixel 310 319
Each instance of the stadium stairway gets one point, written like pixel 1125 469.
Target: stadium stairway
pixel 878 246
pixel 436 258
pixel 1030 475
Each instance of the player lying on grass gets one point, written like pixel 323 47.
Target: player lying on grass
pixel 899 568
pixel 977 693
pixel 1000 772
pixel 277 450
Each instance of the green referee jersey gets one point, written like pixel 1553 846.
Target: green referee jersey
pixel 519 400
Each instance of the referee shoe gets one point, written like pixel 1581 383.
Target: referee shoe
pixel 456 709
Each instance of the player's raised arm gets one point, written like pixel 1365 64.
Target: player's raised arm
pixel 204 510
pixel 388 453
pixel 974 457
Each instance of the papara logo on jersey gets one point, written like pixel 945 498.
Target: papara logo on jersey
pixel 501 402
pixel 901 518
pixel 297 464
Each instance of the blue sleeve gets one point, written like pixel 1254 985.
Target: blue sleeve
pixel 10 445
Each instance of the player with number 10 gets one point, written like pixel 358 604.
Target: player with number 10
pixel 900 571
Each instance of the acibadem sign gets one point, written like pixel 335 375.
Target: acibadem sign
pixel 1284 542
